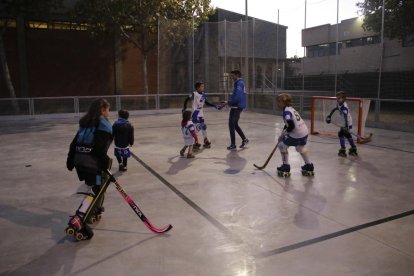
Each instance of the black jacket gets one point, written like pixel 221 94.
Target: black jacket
pixel 101 140
pixel 123 133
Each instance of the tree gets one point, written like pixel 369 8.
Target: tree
pixel 136 21
pixel 14 12
pixel 397 17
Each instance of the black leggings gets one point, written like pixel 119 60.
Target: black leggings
pixel 123 160
pixel 234 125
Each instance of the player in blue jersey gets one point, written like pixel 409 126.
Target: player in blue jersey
pixel 294 134
pixel 345 125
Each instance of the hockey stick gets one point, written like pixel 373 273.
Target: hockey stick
pixel 364 139
pixel 137 210
pixel 268 159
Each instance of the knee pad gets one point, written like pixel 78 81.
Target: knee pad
pixel 203 126
pixel 282 147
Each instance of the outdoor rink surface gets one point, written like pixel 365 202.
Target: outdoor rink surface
pixel 354 217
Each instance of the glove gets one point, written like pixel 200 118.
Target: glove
pixel 282 136
pixel 328 119
pixel 69 163
pixel 219 106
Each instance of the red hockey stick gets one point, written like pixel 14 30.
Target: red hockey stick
pixel 137 211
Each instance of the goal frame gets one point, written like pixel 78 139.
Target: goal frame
pixel 360 101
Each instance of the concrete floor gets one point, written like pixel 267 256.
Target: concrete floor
pixel 354 217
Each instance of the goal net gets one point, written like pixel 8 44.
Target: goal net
pixel 322 106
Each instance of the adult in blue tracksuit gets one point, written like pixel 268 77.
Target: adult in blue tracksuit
pixel 237 103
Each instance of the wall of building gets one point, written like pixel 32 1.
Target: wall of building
pixel 71 63
pixel 364 58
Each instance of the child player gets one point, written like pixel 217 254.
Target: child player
pixel 295 133
pixel 123 133
pixel 189 134
pixel 346 125
pixel 199 98
pixel 88 155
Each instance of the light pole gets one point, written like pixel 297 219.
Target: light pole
pixel 247 45
pixel 378 103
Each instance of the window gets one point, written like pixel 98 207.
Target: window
pixel 322 50
pixel 362 41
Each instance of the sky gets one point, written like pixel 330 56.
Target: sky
pixel 292 15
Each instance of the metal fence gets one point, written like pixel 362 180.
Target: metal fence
pixel 391 114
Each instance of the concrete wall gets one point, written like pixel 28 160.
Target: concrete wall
pixel 356 59
pixel 71 63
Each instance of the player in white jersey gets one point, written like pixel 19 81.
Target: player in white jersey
pixel 295 134
pixel 346 125
pixel 199 98
pixel 189 134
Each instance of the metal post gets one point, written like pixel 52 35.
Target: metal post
pixel 157 98
pixel 336 44
pixel 246 78
pixel 303 58
pixel 277 51
pixel 225 61
pixel 377 104
pixel 193 80
pixel 253 60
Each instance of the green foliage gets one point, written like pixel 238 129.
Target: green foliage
pixel 137 20
pixel 397 17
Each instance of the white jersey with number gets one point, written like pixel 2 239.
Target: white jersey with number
pixel 188 137
pixel 300 130
pixel 345 115
pixel 198 103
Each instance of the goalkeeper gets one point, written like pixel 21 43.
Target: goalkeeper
pixel 345 125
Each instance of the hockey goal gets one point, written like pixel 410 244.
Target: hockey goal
pixel 321 106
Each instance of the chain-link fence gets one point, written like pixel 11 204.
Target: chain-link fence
pixel 214 49
pixel 341 56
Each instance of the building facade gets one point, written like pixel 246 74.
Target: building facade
pixel 358 50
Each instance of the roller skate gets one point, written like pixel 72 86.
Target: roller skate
pixel 97 216
pixel 190 155
pixel 196 146
pixel 342 152
pixel 284 170
pixel 207 144
pixel 307 170
pixel 353 151
pixel 78 229
pixel 182 152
